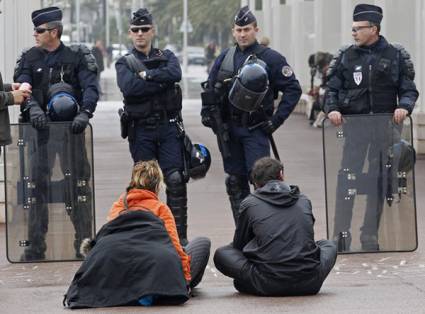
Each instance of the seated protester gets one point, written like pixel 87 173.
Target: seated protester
pixel 136 258
pixel 273 251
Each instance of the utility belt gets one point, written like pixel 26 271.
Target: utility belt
pixel 245 119
pixel 130 120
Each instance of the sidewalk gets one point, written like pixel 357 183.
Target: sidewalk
pixel 367 283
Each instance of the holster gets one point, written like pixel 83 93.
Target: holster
pixel 124 122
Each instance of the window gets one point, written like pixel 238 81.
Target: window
pixel 258 5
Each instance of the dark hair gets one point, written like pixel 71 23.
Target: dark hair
pixel 378 26
pixel 264 170
pixel 56 25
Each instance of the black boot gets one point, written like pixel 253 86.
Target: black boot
pixel 177 201
pixel 237 188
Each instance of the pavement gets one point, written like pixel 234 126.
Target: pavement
pixel 366 283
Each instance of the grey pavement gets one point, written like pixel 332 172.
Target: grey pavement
pixel 366 283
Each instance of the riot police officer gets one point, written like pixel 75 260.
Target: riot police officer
pixel 243 144
pixel 70 70
pixel 147 78
pixel 368 77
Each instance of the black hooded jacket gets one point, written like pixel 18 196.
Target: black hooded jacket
pixel 275 232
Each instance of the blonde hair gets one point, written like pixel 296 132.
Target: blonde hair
pixel 146 175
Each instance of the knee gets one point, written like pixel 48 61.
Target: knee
pixel 175 182
pixel 236 183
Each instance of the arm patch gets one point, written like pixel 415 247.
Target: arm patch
pixel 19 64
pixel 335 61
pixel 408 68
pixel 87 55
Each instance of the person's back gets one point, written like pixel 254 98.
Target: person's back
pixel 273 251
pixel 281 221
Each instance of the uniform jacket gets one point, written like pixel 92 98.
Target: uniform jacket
pixel 157 79
pixel 75 64
pixel 275 232
pixel 132 257
pixel 6 99
pixel 374 79
pixel 146 200
pixel 281 79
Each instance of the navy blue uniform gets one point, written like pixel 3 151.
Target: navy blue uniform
pixel 366 80
pixel 247 146
pixel 75 66
pixel 153 105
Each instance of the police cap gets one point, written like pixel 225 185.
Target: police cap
pixel 141 17
pixel 46 15
pixel 244 17
pixel 367 12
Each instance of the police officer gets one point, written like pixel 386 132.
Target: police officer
pixel 245 145
pixel 147 78
pixel 48 64
pixel 370 76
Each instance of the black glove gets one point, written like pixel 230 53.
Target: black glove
pixel 38 118
pixel 206 121
pixel 268 127
pixel 80 122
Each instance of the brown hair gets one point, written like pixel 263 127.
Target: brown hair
pixel 265 170
pixel 146 175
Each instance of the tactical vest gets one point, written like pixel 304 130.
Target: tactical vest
pixel 227 71
pixel 167 104
pixel 370 86
pixel 43 76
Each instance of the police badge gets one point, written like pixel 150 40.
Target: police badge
pixel 357 74
pixel 287 71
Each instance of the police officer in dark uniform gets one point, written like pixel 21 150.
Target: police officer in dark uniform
pixel 247 145
pixel 370 76
pixel 51 67
pixel 147 78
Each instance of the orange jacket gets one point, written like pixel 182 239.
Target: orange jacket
pixel 138 199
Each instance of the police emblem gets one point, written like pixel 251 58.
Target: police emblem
pixel 287 71
pixel 358 76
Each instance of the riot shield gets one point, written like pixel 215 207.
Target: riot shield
pixel 49 193
pixel 370 186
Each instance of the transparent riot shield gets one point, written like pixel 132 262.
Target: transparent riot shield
pixel 370 186
pixel 49 193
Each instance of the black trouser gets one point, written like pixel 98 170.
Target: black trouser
pixel 199 251
pixel 248 279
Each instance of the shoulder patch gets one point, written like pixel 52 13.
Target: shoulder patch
pixel 405 56
pixel 336 60
pixel 287 71
pixel 87 56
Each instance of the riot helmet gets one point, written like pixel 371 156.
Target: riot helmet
pixel 250 85
pixel 200 161
pixel 404 156
pixel 62 105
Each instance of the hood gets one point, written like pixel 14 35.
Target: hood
pixel 278 193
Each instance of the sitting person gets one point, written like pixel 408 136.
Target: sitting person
pixel 136 258
pixel 273 251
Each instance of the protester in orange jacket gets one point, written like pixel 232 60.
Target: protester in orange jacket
pixel 140 238
pixel 142 194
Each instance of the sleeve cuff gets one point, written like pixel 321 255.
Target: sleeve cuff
pixel 10 100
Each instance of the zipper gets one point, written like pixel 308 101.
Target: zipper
pixel 370 90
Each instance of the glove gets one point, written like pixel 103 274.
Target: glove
pixel 80 122
pixel 268 127
pixel 38 118
pixel 206 121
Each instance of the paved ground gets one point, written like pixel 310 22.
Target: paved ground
pixel 370 283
